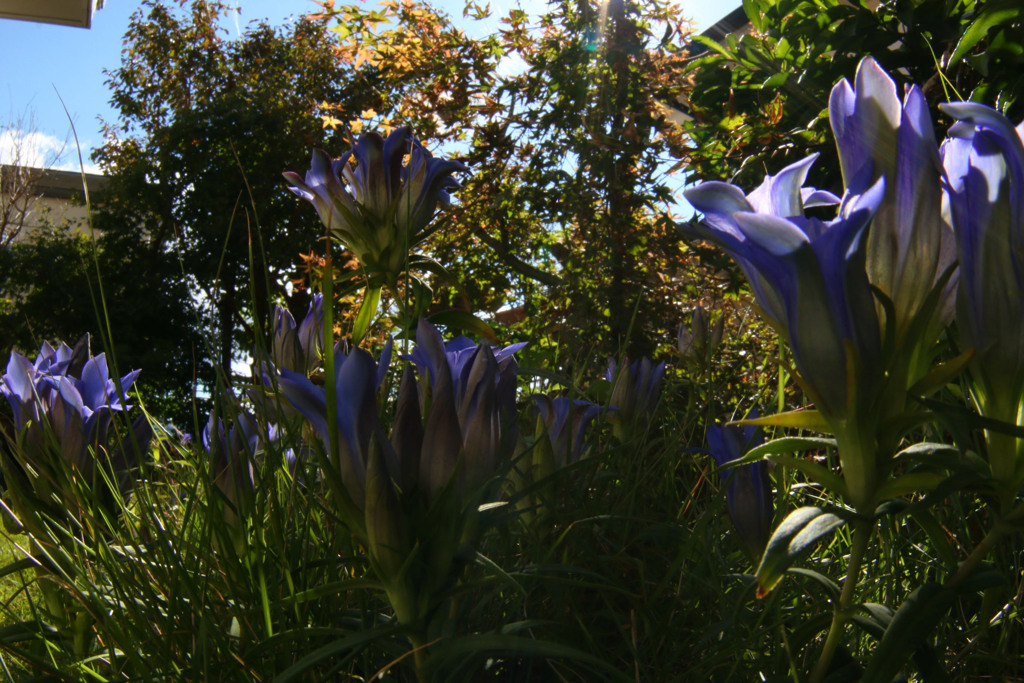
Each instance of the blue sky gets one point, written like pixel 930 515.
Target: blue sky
pixel 42 60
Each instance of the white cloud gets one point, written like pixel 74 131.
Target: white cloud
pixel 41 150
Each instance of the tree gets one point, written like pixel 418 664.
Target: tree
pixel 17 193
pixel 42 279
pixel 584 133
pixel 774 81
pixel 21 166
pixel 565 210
pixel 206 126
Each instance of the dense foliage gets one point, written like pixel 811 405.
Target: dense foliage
pixel 379 497
pixel 569 150
pixel 206 126
pixel 759 100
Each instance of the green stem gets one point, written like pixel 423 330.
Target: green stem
pixel 858 459
pixel 53 595
pixel 862 529
pixel 332 399
pixel 419 656
pixel 52 598
pixel 82 634
pixel 1002 459
pixel 402 298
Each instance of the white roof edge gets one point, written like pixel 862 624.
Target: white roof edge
pixel 77 13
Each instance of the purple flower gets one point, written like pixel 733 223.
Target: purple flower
pixel 635 388
pixel 28 386
pixel 697 344
pixel 76 410
pixel 910 244
pixel 357 379
pixel 378 208
pixel 298 347
pixel 749 496
pixel 984 160
pixel 468 398
pixel 808 275
pixel 232 453
pixel 566 420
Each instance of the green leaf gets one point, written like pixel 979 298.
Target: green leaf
pixel 993 15
pixel 873 618
pixel 787 444
pixel 556 379
pixel 795 419
pixel 355 641
pixel 709 43
pixel 366 312
pixel 895 428
pixel 830 586
pixel 912 482
pixel 794 539
pixel 942 374
pixel 430 265
pixel 329 589
pixel 912 623
pixel 928 452
pixel 915 620
pixel 961 414
pixel 17 566
pixel 937 534
pixel 813 471
pixel 775 81
pixel 27 630
pixel 463 320
pixel 286 639
pixel 490 564
pixel 754 14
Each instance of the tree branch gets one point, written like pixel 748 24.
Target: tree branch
pixel 516 263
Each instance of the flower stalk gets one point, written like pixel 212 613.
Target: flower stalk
pixel 861 533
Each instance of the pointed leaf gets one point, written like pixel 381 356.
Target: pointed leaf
pixel 794 419
pixel 830 586
pixel 794 539
pixel 787 444
pixel 894 428
pixel 873 618
pixel 915 620
pixel 813 471
pixel 993 15
pixel 371 300
pixel 912 623
pixel 912 482
pixel 17 566
pixel 942 374
pixel 463 320
pixel 355 642
pixel 928 452
pixel 711 44
pixel 27 630
pixel 430 265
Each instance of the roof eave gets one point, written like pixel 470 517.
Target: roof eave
pixel 77 13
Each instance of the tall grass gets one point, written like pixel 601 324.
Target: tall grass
pixel 620 566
